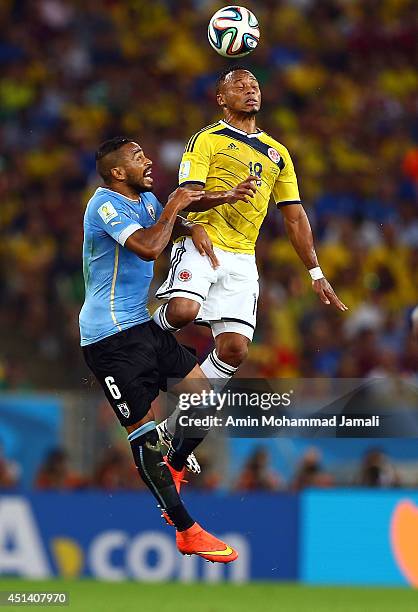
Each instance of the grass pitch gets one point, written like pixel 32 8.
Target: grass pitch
pixel 95 596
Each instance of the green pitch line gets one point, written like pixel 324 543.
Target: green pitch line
pixel 94 596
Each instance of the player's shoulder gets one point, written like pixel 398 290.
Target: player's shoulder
pixel 202 136
pixel 104 202
pixel 102 195
pixel 272 142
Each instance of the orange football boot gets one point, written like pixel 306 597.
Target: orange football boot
pixel 197 541
pixel 178 477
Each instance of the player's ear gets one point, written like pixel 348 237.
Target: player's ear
pixel 118 173
pixel 220 99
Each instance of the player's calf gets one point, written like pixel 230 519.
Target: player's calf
pixel 222 363
pixel 156 475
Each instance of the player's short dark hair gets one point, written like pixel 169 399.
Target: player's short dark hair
pixel 103 166
pixel 113 144
pixel 222 77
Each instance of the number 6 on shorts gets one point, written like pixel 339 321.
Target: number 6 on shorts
pixel 113 388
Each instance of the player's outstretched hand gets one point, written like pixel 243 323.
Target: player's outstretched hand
pixel 327 294
pixel 204 244
pixel 243 191
pixel 182 197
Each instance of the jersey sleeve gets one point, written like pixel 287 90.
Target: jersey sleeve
pixel 113 218
pixel 194 166
pixel 285 190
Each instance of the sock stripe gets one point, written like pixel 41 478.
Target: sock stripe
pixel 164 324
pixel 143 429
pixel 163 320
pixel 220 365
pixel 217 367
pixel 164 316
pixel 223 365
pixel 160 315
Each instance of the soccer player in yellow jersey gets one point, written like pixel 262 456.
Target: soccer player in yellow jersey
pixel 241 168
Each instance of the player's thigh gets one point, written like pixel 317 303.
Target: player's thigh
pixel 231 306
pixel 194 382
pixel 175 362
pixel 125 365
pixel 190 276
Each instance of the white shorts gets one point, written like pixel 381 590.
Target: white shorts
pixel 227 296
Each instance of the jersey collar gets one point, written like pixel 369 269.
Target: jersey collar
pixel 116 193
pixel 231 127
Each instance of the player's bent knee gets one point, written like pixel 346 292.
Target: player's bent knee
pixel 181 311
pixel 233 351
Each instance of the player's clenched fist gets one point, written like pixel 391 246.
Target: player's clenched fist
pixel 182 198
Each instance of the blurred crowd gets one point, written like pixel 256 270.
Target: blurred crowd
pixel 340 90
pixel 115 471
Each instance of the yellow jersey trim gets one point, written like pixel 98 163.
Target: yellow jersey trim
pixel 190 145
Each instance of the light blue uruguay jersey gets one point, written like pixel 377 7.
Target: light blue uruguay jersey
pixel 116 280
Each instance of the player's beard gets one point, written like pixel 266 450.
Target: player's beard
pixel 145 189
pixel 137 186
pixel 247 114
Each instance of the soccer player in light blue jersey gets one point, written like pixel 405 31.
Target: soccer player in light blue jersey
pixel 125 230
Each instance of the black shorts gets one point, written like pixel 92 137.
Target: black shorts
pixel 134 364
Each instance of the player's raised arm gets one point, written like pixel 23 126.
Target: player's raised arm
pixel 148 243
pixel 299 231
pixel 210 199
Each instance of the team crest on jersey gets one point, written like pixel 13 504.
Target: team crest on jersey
pixel 124 409
pixel 184 275
pixel 273 155
pixel 151 211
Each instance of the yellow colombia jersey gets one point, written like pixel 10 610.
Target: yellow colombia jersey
pixel 221 156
